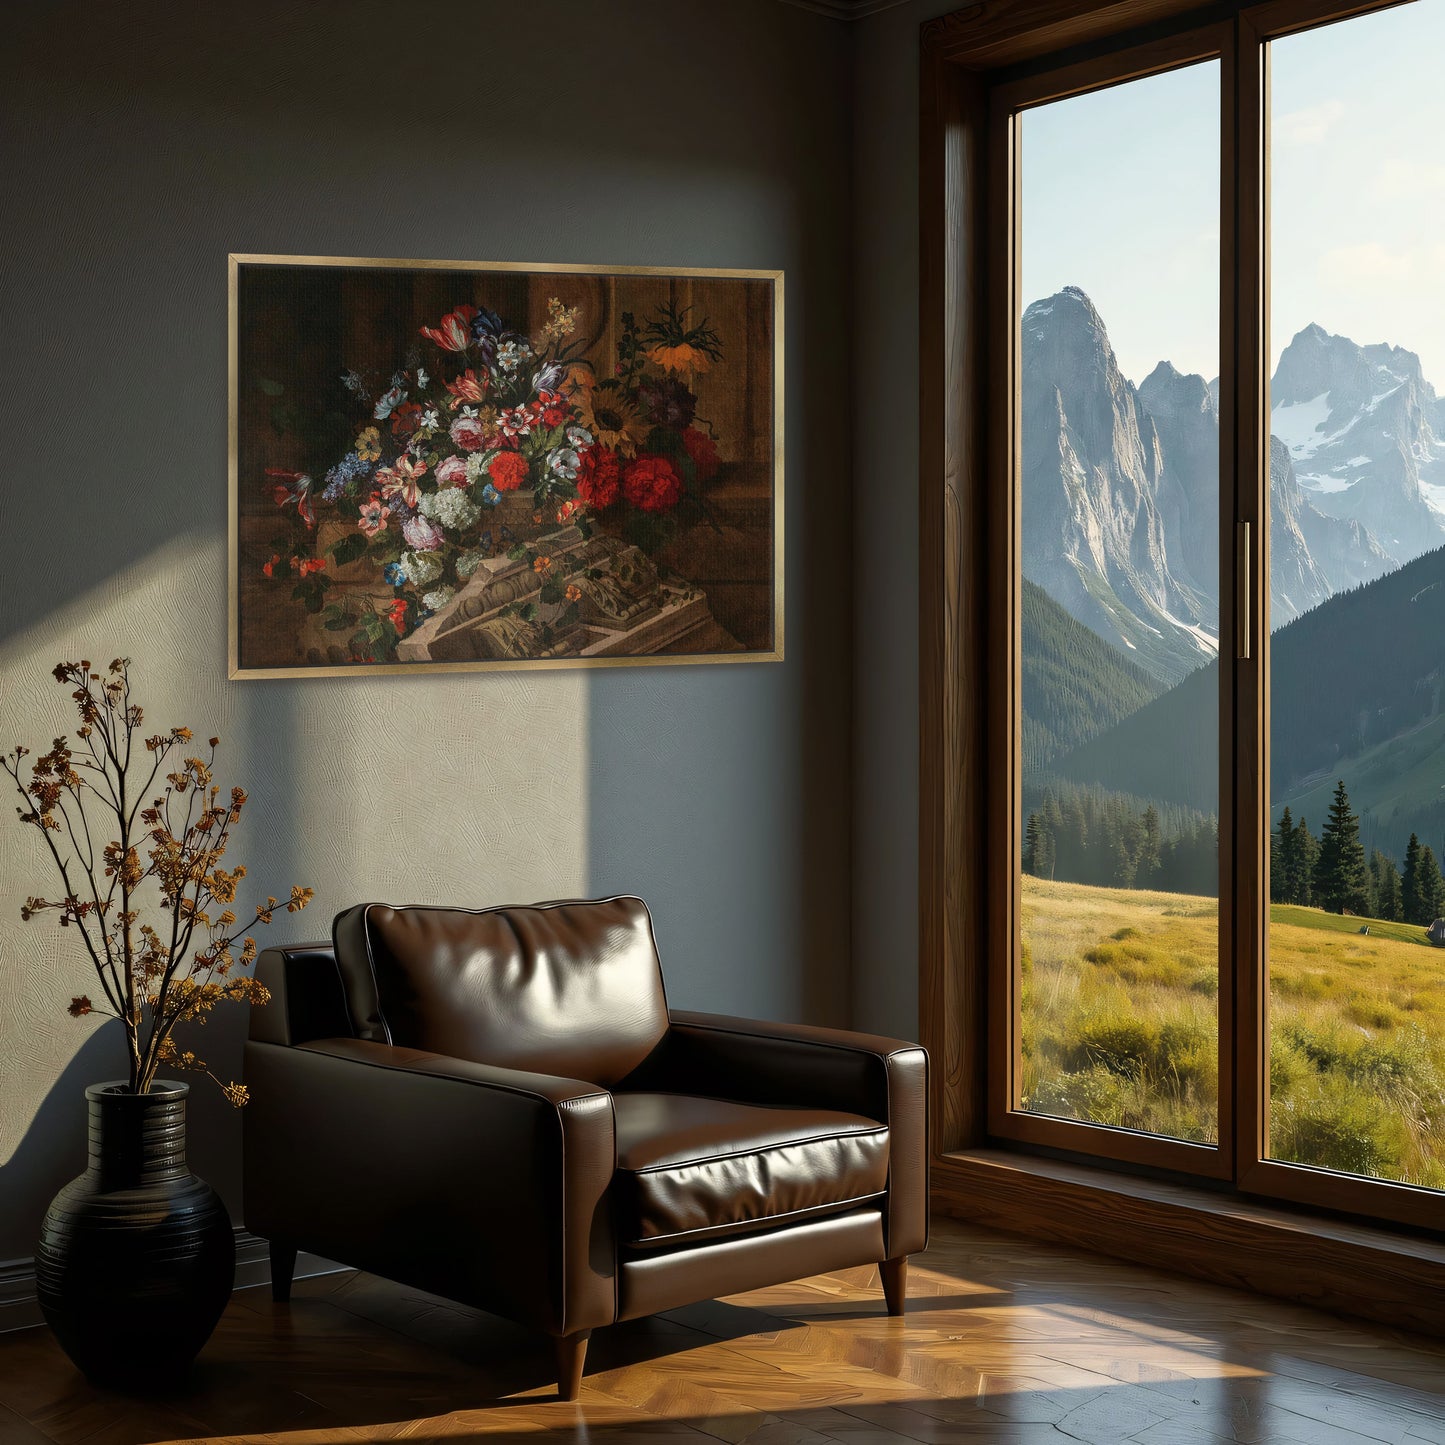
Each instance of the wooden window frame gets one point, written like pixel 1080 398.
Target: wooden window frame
pixel 1008 101
pixel 976 64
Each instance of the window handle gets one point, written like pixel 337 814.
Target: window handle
pixel 1242 590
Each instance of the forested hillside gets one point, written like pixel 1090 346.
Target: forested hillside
pixel 1075 685
pixel 1362 670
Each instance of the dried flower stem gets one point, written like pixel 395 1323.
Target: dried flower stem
pixel 151 984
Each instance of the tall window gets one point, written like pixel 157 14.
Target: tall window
pixel 1220 282
pixel 1357 597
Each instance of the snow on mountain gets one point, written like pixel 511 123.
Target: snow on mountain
pixel 1365 434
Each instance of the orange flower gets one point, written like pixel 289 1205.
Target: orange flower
pixel 269 567
pixel 542 566
pixel 467 387
pixel 682 357
pixel 574 592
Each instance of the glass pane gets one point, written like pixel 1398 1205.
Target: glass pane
pixel 1119 343
pixel 1357 479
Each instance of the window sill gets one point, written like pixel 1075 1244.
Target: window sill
pixel 1331 1264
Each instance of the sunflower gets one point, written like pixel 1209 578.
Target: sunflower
pixel 613 419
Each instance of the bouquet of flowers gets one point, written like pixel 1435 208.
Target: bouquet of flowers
pixel 118 847
pixel 456 454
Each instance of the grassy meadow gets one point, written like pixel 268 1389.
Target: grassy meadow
pixel 1120 1026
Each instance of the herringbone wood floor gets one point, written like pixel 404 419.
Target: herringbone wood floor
pixel 1004 1340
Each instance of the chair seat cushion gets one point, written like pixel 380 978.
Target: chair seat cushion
pixel 691 1169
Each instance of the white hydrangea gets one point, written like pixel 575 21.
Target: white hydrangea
pixel 477 464
pixel 452 507
pixel 468 563
pixel 438 599
pixel 419 568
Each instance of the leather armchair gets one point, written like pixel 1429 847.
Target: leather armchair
pixel 498 1107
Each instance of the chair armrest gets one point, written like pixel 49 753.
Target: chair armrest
pixel 307 999
pixel 757 1062
pixel 487 1185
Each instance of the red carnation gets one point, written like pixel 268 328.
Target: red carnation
pixel 405 419
pixel 703 451
pixel 651 484
pixel 599 476
pixel 508 471
pixel 397 613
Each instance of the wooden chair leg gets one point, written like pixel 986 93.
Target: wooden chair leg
pixel 571 1356
pixel 895 1283
pixel 283 1267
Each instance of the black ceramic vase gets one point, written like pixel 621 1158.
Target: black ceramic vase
pixel 137 1256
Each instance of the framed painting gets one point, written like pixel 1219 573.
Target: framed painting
pixel 445 465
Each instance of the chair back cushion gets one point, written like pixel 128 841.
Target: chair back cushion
pixel 573 989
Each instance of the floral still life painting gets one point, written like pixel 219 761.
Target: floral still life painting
pixel 448 466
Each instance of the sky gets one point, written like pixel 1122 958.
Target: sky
pixel 1121 196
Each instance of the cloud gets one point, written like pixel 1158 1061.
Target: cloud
pixel 1388 277
pixel 1403 178
pixel 1370 261
pixel 1308 125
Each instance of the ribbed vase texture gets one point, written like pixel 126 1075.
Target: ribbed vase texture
pixel 137 1256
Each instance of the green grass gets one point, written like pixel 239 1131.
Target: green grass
pixel 1120 1026
pixel 1341 923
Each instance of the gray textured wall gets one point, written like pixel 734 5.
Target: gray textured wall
pixel 143 143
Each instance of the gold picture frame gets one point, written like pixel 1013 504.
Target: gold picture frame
pixel 536 466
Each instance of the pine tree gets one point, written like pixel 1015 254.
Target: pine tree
pixel 1341 881
pixel 1306 853
pixel 1038 848
pixel 1283 873
pixel 1412 907
pixel 1150 859
pixel 1281 846
pixel 1058 863
pixel 1431 887
pixel 1384 887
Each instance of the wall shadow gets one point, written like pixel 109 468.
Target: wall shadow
pixel 53 1149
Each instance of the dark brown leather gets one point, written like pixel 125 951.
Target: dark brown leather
pixel 467 1145
pixel 691 1168
pixel 565 988
pixel 483 1184
pixel 307 1000
pixel 800 1066
pixel 656 1280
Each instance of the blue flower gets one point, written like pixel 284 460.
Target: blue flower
pixel 395 577
pixel 490 495
pixel 486 323
pixel 342 478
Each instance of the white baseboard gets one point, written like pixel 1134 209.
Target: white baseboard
pixel 20 1310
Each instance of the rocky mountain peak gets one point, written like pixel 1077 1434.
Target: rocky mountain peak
pixel 1360 425
pixel 1169 392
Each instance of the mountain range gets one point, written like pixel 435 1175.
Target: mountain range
pixel 1121 483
